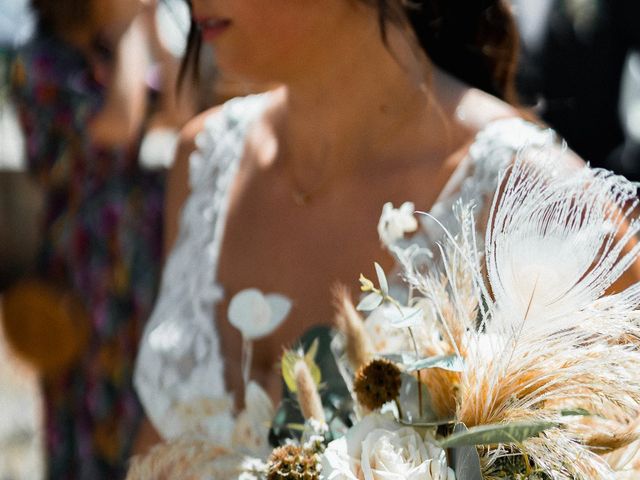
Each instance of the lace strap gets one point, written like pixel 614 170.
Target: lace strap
pixel 179 373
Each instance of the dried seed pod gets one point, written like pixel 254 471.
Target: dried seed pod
pixel 377 383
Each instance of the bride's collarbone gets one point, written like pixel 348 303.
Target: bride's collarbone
pixel 272 242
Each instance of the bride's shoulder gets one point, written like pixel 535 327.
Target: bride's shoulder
pixel 214 124
pixel 484 115
pixel 208 139
pixel 497 126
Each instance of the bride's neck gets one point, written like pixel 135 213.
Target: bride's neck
pixel 356 106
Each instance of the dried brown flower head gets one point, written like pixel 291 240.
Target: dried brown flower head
pixel 293 462
pixel 377 383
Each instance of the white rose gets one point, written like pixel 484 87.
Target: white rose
pixel 378 448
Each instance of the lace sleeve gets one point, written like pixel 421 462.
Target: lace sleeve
pixel 179 373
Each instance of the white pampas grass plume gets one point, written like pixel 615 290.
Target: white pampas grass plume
pixel 546 338
pixel 555 243
pixel 308 396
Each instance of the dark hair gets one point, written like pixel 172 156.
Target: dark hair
pixel 61 16
pixel 190 65
pixel 474 40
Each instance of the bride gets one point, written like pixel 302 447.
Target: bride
pixel 379 101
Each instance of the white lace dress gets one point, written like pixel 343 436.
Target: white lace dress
pixel 179 372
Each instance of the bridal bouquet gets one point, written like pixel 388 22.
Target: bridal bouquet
pixel 500 356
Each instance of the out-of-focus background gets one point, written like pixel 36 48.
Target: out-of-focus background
pixel 78 122
pixel 60 82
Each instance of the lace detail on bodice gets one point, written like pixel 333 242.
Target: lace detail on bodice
pixel 179 372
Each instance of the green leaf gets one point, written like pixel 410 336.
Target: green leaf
pixel 382 279
pixel 509 433
pixel 421 424
pixel 296 426
pixel 453 363
pixel 315 371
pixel 310 356
pixel 405 317
pixel 370 302
pixel 464 459
pixel 289 360
pixel 570 412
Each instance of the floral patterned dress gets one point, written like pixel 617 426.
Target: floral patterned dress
pixel 102 239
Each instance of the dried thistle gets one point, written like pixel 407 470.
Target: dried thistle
pixel 308 396
pixel 293 462
pixel 377 383
pixel 349 322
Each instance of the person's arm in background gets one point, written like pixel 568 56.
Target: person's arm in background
pixel 121 118
pixel 176 105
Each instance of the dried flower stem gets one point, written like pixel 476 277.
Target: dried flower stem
pixel 400 414
pixel 415 346
pixel 308 397
pixel 349 322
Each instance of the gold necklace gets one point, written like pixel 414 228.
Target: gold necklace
pixel 300 195
pixel 300 198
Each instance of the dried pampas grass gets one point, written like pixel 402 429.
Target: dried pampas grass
pixel 189 458
pixel 537 333
pixel 349 322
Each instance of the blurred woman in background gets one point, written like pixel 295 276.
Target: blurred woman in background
pixel 80 86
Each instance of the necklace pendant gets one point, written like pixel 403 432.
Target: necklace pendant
pixel 301 198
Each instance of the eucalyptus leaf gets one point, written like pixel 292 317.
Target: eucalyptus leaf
pixel 508 433
pixel 570 412
pixel 409 401
pixel 403 359
pixel 405 317
pixel 370 302
pixel 452 363
pixel 434 423
pixel 465 459
pixel 382 279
